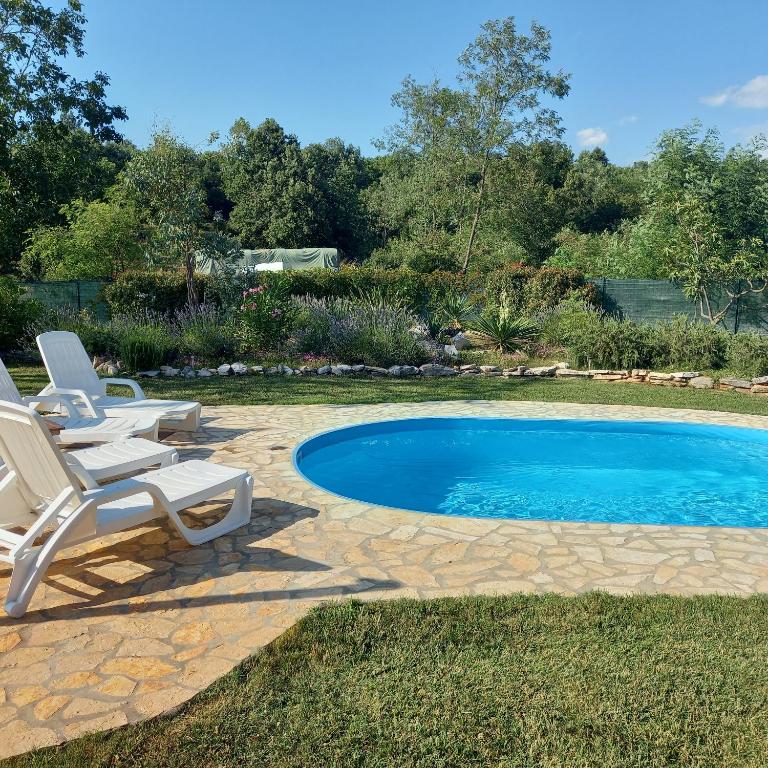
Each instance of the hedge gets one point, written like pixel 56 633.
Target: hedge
pixel 528 288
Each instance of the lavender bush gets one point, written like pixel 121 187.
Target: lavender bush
pixel 367 331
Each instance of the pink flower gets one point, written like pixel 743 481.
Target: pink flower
pixel 276 312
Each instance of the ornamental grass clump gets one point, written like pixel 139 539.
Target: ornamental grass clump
pixel 367 330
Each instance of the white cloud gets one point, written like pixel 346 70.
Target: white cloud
pixel 592 137
pixel 628 119
pixel 751 95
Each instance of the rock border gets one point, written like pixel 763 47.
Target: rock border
pixel 692 379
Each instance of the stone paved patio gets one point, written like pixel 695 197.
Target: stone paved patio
pixel 133 625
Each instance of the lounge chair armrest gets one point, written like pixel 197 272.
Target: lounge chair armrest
pixel 75 394
pixel 138 393
pixel 52 403
pixel 124 488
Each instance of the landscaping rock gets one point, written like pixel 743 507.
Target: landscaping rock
pixel 341 370
pixel 257 369
pixel 239 369
pixel 169 371
pixel 434 369
pixel 403 370
pixel 562 366
pixel 148 374
pixel 450 351
pixel 224 370
pixel 307 370
pixel 571 373
pixel 285 370
pixel 204 373
pixel 324 370
pixel 373 370
pixel 472 367
pixel 358 368
pixel 685 375
pixel 542 370
pixel 516 371
pixel 490 369
pixel 657 376
pixel 461 341
pixel 608 377
pixel 729 383
pixel 760 380
pixel 188 372
pixel 701 382
pixel 639 373
pixel 759 389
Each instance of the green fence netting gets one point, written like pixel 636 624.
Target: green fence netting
pixel 655 301
pixel 80 294
pixel 643 301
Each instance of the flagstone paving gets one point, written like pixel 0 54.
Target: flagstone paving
pixel 135 624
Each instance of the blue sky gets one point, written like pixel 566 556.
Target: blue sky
pixel 325 69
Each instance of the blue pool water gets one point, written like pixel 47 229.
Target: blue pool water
pixel 538 469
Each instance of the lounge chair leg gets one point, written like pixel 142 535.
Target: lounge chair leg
pixel 239 514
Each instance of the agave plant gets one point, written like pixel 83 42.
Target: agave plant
pixel 503 332
pixel 454 310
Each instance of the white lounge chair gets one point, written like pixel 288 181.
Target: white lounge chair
pixel 71 373
pixel 74 428
pixel 39 491
pixel 94 465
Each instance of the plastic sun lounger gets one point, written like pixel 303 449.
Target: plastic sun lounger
pixel 39 491
pixel 71 373
pixel 73 428
pixel 92 466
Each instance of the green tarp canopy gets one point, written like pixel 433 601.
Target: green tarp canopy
pixel 292 258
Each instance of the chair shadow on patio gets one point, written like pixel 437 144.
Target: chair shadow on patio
pixel 153 569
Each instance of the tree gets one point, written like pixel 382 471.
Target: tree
pixel 597 196
pixel 505 77
pixel 459 135
pixel 165 181
pixel 101 240
pixel 266 177
pixel 340 175
pixel 712 210
pixel 41 104
pixel 50 166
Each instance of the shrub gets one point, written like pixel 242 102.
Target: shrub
pixel 16 313
pixel 685 343
pixel 748 354
pixel 358 331
pixel 162 292
pixel 144 347
pixel 265 316
pixel 205 334
pixel 98 337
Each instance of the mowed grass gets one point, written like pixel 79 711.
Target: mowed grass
pixel 509 682
pixel 296 390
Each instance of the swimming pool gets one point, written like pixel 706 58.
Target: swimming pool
pixel 541 469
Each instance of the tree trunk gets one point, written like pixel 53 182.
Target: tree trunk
pixel 190 270
pixel 476 217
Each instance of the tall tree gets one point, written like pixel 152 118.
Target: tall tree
pixel 464 132
pixel 39 101
pixel 165 181
pixel 266 177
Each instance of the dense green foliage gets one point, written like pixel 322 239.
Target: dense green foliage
pixel 16 313
pixel 521 680
pixel 472 175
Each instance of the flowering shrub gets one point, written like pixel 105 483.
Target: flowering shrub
pixel 265 317
pixel 363 331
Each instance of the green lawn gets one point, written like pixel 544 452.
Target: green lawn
pixel 512 682
pixel 291 390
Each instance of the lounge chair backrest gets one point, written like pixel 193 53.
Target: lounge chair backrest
pixel 67 362
pixel 8 390
pixel 27 450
